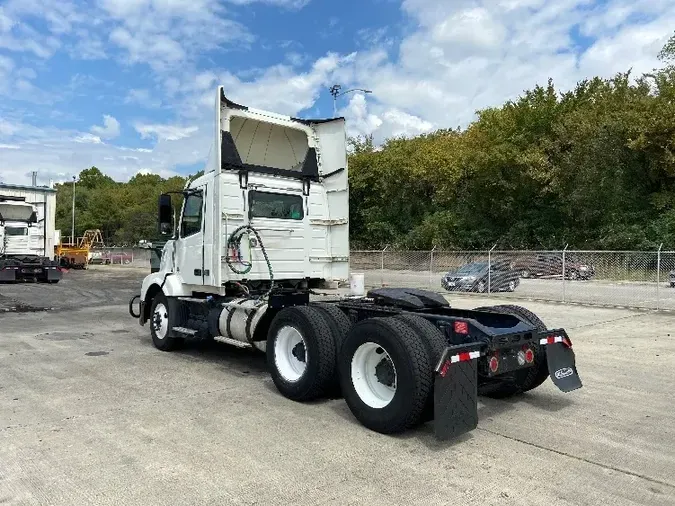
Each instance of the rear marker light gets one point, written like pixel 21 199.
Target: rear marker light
pixel 461 327
pixel 494 364
pixel 529 356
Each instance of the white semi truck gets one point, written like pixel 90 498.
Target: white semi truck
pixel 18 261
pixel 268 224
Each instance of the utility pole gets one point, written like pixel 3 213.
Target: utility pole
pixel 73 212
pixel 335 91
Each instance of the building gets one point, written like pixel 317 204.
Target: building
pixel 42 234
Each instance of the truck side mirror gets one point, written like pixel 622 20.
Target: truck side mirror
pixel 165 215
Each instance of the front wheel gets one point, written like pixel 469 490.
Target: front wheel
pixel 386 374
pixel 160 325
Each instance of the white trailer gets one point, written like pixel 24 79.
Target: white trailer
pixel 266 225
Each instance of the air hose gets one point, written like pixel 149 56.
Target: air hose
pixel 234 253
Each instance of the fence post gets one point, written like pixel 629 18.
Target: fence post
pixel 658 278
pixel 431 268
pixel 382 266
pixel 564 274
pixel 490 268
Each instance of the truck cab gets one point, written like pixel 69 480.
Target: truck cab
pixel 18 260
pixel 281 179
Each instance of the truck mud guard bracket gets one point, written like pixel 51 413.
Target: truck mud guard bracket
pixel 561 360
pixel 456 390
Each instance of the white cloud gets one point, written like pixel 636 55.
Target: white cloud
pixel 464 57
pixel 88 139
pixel 110 128
pixel 165 132
pixel 165 33
pixel 289 4
pixel 143 97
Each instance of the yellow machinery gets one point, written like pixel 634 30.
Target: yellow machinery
pixel 75 255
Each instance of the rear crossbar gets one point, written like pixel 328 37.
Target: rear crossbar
pixel 456 380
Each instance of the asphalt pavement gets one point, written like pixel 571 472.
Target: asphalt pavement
pixel 92 413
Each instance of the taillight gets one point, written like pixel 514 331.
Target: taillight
pixel 461 327
pixel 494 363
pixel 529 355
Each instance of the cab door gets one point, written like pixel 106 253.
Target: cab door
pixel 190 242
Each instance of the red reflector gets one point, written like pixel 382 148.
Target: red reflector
pixel 461 327
pixel 444 368
pixel 494 364
pixel 529 356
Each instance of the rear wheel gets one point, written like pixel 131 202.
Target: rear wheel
pixel 301 353
pixel 339 324
pixel 435 343
pixel 523 380
pixel 385 374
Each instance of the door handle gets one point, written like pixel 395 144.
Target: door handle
pixel 198 272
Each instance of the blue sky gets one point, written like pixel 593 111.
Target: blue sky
pixel 128 85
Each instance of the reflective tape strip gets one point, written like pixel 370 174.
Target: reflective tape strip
pixel 556 339
pixel 551 340
pixel 464 357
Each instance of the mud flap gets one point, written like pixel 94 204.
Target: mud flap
pixel 456 391
pixel 561 361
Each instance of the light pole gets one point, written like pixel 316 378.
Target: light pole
pixel 72 237
pixel 335 91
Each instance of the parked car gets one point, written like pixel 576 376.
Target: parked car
pixel 473 277
pixel 552 265
pixel 671 275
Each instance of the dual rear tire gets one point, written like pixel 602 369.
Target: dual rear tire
pixel 383 367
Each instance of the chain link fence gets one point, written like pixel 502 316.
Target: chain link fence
pixel 635 279
pixel 132 257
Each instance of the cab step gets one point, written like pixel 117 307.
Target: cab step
pixel 234 342
pixel 185 331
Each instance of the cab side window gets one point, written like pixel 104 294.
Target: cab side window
pixel 192 215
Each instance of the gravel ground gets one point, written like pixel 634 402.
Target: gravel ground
pixel 92 413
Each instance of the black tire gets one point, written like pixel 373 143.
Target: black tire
pixel 165 343
pixel 339 324
pixel 481 287
pixel 435 344
pixel 524 380
pixel 414 374
pixel 319 348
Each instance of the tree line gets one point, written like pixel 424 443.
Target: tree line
pixel 593 167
